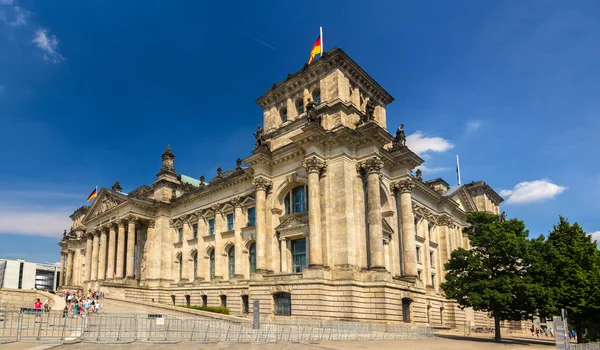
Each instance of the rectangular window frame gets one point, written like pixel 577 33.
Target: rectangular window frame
pixel 230 222
pixel 211 226
pixel 251 217
pixel 297 256
pixel 195 230
pixel 180 234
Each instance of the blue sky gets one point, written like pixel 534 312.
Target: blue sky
pixel 92 91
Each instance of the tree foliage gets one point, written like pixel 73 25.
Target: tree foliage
pixel 576 274
pixel 500 273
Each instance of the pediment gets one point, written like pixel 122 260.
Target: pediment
pixel 386 227
pixel 292 223
pixel 464 200
pixel 105 202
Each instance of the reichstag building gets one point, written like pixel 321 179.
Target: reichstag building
pixel 323 219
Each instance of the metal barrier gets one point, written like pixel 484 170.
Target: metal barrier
pixel 54 327
pixel 585 346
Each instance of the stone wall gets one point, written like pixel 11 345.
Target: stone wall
pixel 26 298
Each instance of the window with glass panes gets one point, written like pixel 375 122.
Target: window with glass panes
pixel 231 261
pixel 300 106
pixel 298 255
pixel 252 257
pixel 229 222
pixel 195 230
pixel 431 259
pixel 180 234
pixel 195 266
pixel 416 223
pixel 251 216
pixel 180 267
pixel 211 226
pixel 212 264
pixel 317 96
pixel 296 201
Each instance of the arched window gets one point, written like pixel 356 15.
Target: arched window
pixel 212 264
pixel 180 260
pixel 295 200
pixel 231 261
pixel 283 114
pixel 317 96
pixel 283 304
pixel 195 266
pixel 406 310
pixel 300 106
pixel 252 257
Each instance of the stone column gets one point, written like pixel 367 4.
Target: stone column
pixel 284 261
pixel 219 258
pixel 110 273
pixel 261 184
pixel 201 245
pixel 95 249
pixel 70 267
pixel 88 257
pixel 409 253
pixel 102 255
pixel 62 268
pixel 130 246
pixel 121 250
pixel 373 167
pixel 152 271
pixel 238 217
pixel 314 166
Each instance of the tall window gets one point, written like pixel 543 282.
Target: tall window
pixel 252 257
pixel 429 229
pixel 245 304
pixel 298 255
pixel 317 96
pixel 433 280
pixel 406 310
pixel 195 230
pixel 251 216
pixel 283 304
pixel 229 222
pixel 295 200
pixel 180 234
pixel 231 261
pixel 195 266
pixel 211 226
pixel 416 225
pixel 300 106
pixel 205 300
pixel 431 259
pixel 212 264
pixel 283 114
pixel 223 300
pixel 180 260
pixel 418 254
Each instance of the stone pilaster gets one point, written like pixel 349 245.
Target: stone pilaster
pixel 201 246
pixel 152 268
pixel 62 268
pixel 219 258
pixel 237 227
pixel 102 255
pixel 314 166
pixel 70 267
pixel 372 168
pixel 120 250
pixel 129 268
pixel 95 251
pixel 112 237
pixel 409 244
pixel 261 184
pixel 88 256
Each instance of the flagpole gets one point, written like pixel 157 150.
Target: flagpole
pixel 458 169
pixel 321 34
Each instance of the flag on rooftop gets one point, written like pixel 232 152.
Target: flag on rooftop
pixel 93 194
pixel 317 47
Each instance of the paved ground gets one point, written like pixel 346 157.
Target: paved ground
pixel 116 306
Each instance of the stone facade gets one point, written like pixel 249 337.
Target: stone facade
pixel 326 220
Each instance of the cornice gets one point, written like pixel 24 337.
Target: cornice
pixel 210 189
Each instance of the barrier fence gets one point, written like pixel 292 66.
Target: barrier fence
pixel 55 327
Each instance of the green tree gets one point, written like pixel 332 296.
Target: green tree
pixel 495 275
pixel 576 270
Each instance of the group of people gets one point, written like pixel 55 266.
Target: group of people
pixel 82 302
pixel 547 332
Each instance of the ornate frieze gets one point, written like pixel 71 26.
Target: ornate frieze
pixel 445 220
pixel 151 223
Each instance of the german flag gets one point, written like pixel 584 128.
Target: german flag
pixel 317 49
pixel 92 195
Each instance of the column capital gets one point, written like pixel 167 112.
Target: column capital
pixel 372 165
pixel 261 183
pixel 445 220
pixel 403 186
pixel 216 208
pixel 132 218
pixel 97 232
pixel 121 222
pixel 314 165
pixel 237 202
pixel 151 223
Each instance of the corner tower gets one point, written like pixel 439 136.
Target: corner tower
pixel 343 95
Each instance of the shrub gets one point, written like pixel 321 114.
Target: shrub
pixel 215 309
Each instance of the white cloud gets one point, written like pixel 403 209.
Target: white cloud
pixel 421 144
pixel 473 125
pixel 42 222
pixel 595 235
pixel 48 44
pixel 532 191
pixel 6 2
pixel 12 15
pixel 426 170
